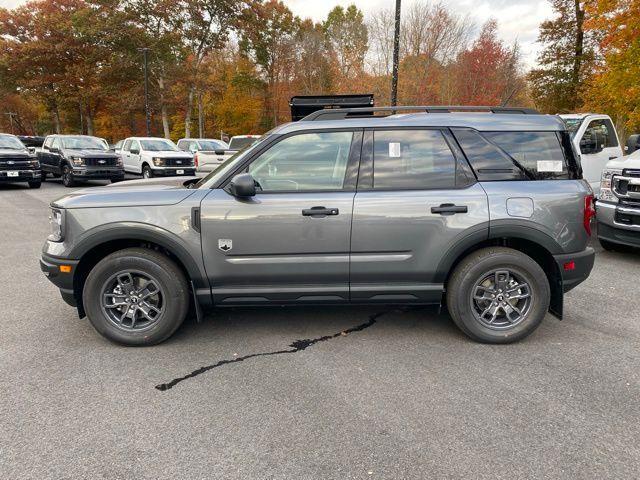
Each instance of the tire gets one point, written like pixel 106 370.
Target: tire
pixel 43 175
pixel 116 180
pixel 172 299
pixel 35 184
pixel 147 172
pixel 67 177
pixel 485 269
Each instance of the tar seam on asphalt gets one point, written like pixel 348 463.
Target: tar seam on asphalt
pixel 296 346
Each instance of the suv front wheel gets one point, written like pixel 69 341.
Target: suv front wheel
pixel 498 295
pixel 136 297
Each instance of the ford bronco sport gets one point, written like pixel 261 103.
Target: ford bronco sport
pixel 482 209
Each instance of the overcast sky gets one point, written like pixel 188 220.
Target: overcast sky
pixel 517 19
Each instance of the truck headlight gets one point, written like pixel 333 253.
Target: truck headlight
pixel 34 163
pixel 606 193
pixel 56 222
pixel 77 161
pixel 119 162
pixel 158 162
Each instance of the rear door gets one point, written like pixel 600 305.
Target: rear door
pixel 416 200
pixel 289 243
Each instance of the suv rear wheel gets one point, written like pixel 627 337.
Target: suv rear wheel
pixel 136 297
pixel 498 295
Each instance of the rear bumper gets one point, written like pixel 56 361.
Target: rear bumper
pixel 98 173
pixel 618 224
pixel 50 266
pixel 575 267
pixel 23 176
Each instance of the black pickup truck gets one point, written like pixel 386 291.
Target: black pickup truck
pixel 17 162
pixel 77 158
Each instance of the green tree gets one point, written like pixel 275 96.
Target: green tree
pixel 348 37
pixel 566 60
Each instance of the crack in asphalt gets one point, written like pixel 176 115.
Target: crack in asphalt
pixel 296 346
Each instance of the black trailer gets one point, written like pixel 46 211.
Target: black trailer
pixel 301 106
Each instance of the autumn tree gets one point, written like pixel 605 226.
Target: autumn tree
pixel 347 35
pixel 314 72
pixel 566 60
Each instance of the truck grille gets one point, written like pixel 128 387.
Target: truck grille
pixel 100 162
pixel 18 163
pixel 179 162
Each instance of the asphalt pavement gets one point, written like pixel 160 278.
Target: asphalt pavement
pixel 312 393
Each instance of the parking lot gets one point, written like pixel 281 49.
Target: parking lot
pixel 367 393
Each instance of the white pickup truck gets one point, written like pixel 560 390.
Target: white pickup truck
pixel 209 153
pixel 594 136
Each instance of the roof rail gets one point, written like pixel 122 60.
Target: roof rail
pixel 368 112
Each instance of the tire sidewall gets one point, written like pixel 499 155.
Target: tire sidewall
pixel 176 302
pixel 522 266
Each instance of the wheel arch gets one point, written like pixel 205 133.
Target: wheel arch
pixel 109 239
pixel 530 241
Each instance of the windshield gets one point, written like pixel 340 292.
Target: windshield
pixel 8 142
pixel 84 143
pixel 573 124
pixel 210 145
pixel 158 145
pixel 238 143
pixel 229 164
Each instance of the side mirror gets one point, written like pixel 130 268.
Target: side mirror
pixel 54 149
pixel 134 151
pixel 219 151
pixel 242 186
pixel 31 150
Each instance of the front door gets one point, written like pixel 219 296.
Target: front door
pixel 600 133
pixel 289 243
pixel 417 201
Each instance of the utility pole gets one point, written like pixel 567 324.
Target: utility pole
pixel 396 55
pixel 145 52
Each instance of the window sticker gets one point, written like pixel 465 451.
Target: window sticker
pixel 394 150
pixel 550 166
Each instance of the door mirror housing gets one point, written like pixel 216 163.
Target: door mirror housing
pixel 54 149
pixel 242 186
pixel 219 151
pixel 134 151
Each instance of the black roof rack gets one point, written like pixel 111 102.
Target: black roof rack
pixel 343 113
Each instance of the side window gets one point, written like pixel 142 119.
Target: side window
pixel 47 143
pixel 305 162
pixel 127 145
pixel 602 132
pixel 540 153
pixel 135 145
pixel 488 161
pixel 55 143
pixel 412 159
pixel 193 147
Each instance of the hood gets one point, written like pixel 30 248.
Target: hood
pixel 90 153
pixel 630 161
pixel 169 154
pixel 6 153
pixel 133 193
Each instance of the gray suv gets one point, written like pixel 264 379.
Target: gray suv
pixel 481 209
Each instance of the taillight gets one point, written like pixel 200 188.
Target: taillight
pixel 195 159
pixel 589 213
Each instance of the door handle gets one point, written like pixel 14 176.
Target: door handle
pixel 319 212
pixel 612 158
pixel 449 209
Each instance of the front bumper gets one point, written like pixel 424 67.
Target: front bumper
pixel 618 223
pixel 83 173
pixel 23 175
pixel 50 266
pixel 173 172
pixel 575 267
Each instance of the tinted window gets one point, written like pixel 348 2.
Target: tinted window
pixel 48 142
pixel 540 153
pixel 310 161
pixel 412 159
pixel 56 142
pixel 127 145
pixel 238 143
pixel 604 133
pixel 488 161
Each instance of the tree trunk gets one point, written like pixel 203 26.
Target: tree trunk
pixel 89 121
pixel 200 117
pixel 187 117
pixel 56 119
pixel 163 109
pixel 578 52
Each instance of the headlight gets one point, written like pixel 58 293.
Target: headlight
pixel 56 222
pixel 77 160
pixel 119 162
pixel 34 163
pixel 606 194
pixel 158 162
